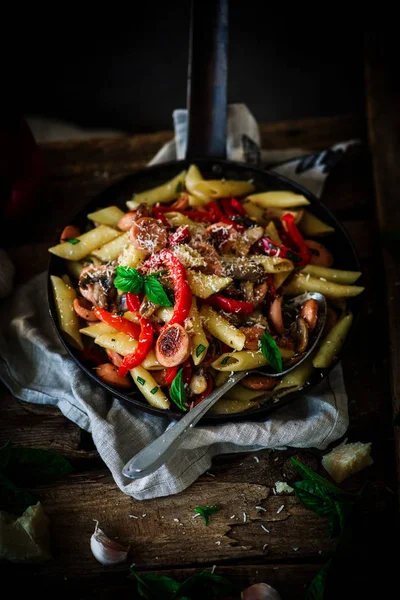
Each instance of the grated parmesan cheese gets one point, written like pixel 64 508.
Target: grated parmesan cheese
pixel 280 509
pixel 282 486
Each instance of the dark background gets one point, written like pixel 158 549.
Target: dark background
pixel 129 71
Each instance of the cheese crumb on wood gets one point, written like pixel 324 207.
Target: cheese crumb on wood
pixel 347 459
pixel 282 486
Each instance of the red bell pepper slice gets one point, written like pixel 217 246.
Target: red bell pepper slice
pixel 133 301
pixel 170 375
pixel 183 294
pixel 144 346
pixel 238 307
pixel 272 248
pixel 181 235
pixel 296 238
pixel 119 323
pixel 158 214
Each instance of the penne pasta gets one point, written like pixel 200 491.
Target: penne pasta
pixel 193 177
pixel 305 283
pixel 97 329
pixel 255 212
pixel 132 257
pixel 333 342
pixel 163 193
pixel 336 275
pixel 204 286
pixel 221 329
pixel 294 380
pixel 226 406
pixel 200 342
pixel 245 360
pixel 280 278
pixel 175 219
pixel 217 188
pixel 89 241
pixel 107 216
pixel 278 199
pixel 272 232
pixel 74 268
pixel 311 226
pixel 165 313
pixel 273 264
pixel 149 387
pixel 113 249
pixel 123 344
pixel 238 392
pixel 68 320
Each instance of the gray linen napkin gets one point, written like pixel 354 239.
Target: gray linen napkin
pixel 36 368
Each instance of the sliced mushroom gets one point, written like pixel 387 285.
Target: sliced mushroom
pixel 242 268
pixel 244 242
pixel 259 382
pixel 172 346
pixel 148 308
pixel 299 332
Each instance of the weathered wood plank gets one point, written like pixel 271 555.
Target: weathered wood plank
pixel 383 97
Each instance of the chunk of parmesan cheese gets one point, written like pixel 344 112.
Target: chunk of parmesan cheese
pixel 347 459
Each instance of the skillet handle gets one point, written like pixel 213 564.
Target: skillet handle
pixel 207 79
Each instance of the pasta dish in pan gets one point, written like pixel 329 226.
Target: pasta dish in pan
pixel 193 283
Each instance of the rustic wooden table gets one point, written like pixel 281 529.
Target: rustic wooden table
pixel 165 538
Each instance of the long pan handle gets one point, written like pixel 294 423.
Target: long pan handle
pixel 207 79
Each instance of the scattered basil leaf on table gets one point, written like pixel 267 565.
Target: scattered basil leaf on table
pixel 129 280
pixel 177 390
pixel 198 586
pixel 317 588
pixel 72 241
pixel 32 466
pixel 26 466
pixel 271 352
pixel 206 512
pixel 155 291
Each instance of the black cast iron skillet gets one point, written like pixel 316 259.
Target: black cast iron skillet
pixel 207 105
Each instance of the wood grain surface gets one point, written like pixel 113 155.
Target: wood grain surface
pixel 165 537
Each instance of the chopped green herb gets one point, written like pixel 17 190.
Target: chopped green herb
pixel 179 187
pixel 177 390
pixel 206 512
pixel 141 380
pixel 120 313
pixel 270 350
pixel 129 280
pixel 155 291
pixel 224 360
pixel 72 241
pixel 200 348
pixel 154 390
pixel 113 339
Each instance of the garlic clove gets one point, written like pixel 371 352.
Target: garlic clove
pixel 260 591
pixel 106 551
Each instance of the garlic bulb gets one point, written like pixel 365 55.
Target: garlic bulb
pixel 260 591
pixel 106 551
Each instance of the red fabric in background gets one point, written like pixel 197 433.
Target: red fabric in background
pixel 21 171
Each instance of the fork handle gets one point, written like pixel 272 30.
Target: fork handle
pixel 153 456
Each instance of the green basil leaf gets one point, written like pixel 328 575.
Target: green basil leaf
pixel 129 280
pixel 154 587
pixel 317 588
pixel 205 585
pixel 32 466
pixel 72 241
pixel 5 455
pixel 177 390
pixel 155 291
pixel 12 499
pixel 200 348
pixel 310 475
pixel 206 512
pixel 314 498
pixel 271 352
